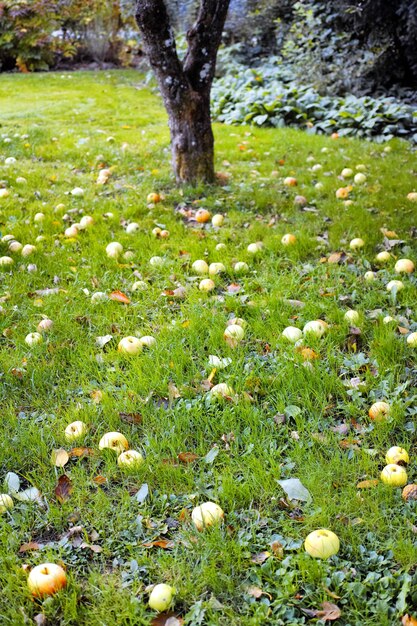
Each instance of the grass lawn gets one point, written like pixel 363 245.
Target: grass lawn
pixel 290 412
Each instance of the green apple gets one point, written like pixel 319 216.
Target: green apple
pixel 161 597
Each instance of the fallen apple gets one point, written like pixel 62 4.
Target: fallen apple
pixel 6 502
pixel 359 178
pixel 15 246
pixel 202 216
pixel 409 493
pixel 396 455
pixel 130 345
pixel 147 341
pixel 75 430
pixel 342 193
pixel 292 333
pixel 394 475
pixel 206 285
pixel 46 579
pixel 114 249
pixel 322 544
pixel 156 231
pixel 216 268
pixel 140 285
pixel 71 231
pixel 114 441
pixel 153 198
pixel 383 257
pixel 233 335
pixel 254 248
pixel 32 339
pixel 288 239
pixel 347 172
pixel 369 276
pixel 412 340
pixel 28 249
pixel 5 261
pixel 217 220
pixel 356 243
pixel 156 261
pixel 241 267
pixel 4 193
pixel 45 325
pixel 161 596
pixel 404 266
pixel 78 192
pixel 379 411
pixel 39 217
pixel 352 316
pixel 130 459
pixel 397 285
pixel 315 327
pixel 131 228
pixel 220 247
pixel 412 196
pixel 99 296
pixel 290 181
pixel 207 514
pixel 222 390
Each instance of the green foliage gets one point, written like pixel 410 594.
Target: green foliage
pixel 272 95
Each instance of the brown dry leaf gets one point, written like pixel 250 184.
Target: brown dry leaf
pixel 64 488
pixel 131 418
pixel 77 453
pixel 331 594
pixel 100 480
pixel 187 457
pixel 173 392
pixel 28 547
pixel 402 330
pixel 278 549
pixel 260 558
pixel 366 484
pixel 119 296
pixel 328 613
pixel 408 620
pixel 255 592
pixel 390 234
pixel 165 544
pixel 346 444
pixel 334 257
pixel 91 546
pixel 60 457
pixel 167 619
pixel 97 396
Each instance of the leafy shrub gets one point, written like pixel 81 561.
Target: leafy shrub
pixel 272 96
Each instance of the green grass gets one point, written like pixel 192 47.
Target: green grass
pixel 59 128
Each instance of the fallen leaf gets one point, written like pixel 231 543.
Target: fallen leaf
pixel 295 490
pixel 64 488
pixel 78 453
pixel 187 457
pixel 366 484
pixel 119 296
pixel 142 494
pixel 173 392
pixel 255 592
pixel 260 557
pixel 102 341
pixel 211 455
pixel 28 547
pixel 328 613
pixel 167 619
pixel 32 494
pixel 100 480
pixel 131 418
pixel 278 549
pixel 165 544
pixel 59 458
pixel 12 482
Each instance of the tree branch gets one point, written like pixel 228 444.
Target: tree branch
pixel 204 39
pixel 160 48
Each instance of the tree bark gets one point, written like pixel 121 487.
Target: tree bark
pixel 185 86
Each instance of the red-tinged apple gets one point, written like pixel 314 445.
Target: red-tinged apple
pixel 114 441
pixel 322 544
pixel 290 181
pixel 216 268
pixel 379 411
pixel 217 220
pixel 221 390
pixel 300 200
pixel 130 345
pixel 114 249
pixel 153 198
pixel 207 285
pixel 292 333
pixel 394 475
pixel 75 430
pixel 404 266
pixel 288 239
pixel 395 284
pixel 207 514
pixel 86 221
pixel 356 243
pixel 164 234
pixel 46 579
pixel 33 339
pixel 130 459
pixel 412 340
pixel 45 325
pixel 6 502
pixel 200 267
pixel 161 597
pixel 396 454
pixel 342 193
pixel 202 216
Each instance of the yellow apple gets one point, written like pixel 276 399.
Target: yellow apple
pixel 161 597
pixel 131 228
pixel 75 430
pixel 130 459
pixel 147 341
pixel 404 266
pixel 412 196
pixel 288 239
pixel 216 268
pixel 315 327
pixel 369 276
pixel 207 285
pixel 114 441
pixel 322 543
pixel 153 198
pixel 347 172
pixel 207 514
pixel 394 475
pixel 412 340
pixel 221 391
pixel 395 284
pixel 140 285
pixel 396 455
pixel 217 220
pixel 5 502
pixel 352 316
pixel 292 333
pixel 28 249
pixel 32 339
pixel 356 243
pixel 46 579
pixel 254 248
pixel 383 257
pixel 359 178
pixel 114 249
pixel 130 345
pixel 379 411
pixel 6 261
pixel 202 216
pixel 156 261
pixel 233 334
